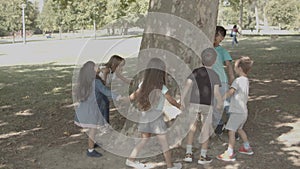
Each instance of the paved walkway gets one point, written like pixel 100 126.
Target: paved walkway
pixel 67 51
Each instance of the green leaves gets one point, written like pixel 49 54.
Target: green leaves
pixel 80 14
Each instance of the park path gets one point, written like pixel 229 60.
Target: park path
pixel 67 51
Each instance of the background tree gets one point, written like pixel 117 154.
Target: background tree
pixel 284 14
pixel 11 16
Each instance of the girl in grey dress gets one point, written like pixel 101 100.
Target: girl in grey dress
pixel 88 114
pixel 150 97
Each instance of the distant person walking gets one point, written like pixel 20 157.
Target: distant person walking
pixel 233 34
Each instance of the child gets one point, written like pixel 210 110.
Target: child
pixel 223 57
pixel 88 114
pixel 107 73
pixel 111 69
pixel 238 109
pixel 234 33
pixel 205 85
pixel 150 97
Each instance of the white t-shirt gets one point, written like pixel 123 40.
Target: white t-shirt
pixel 238 102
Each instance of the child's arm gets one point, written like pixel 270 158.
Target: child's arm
pixel 124 79
pixel 100 87
pixel 229 93
pixel 218 97
pixel 134 95
pixel 230 71
pixel 172 101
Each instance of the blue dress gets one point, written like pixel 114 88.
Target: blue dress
pixel 88 113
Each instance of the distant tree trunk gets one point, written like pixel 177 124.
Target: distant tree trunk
pixel 202 17
pixel 241 14
pixel 60 32
pixel 266 25
pixel 13 36
pixel 256 16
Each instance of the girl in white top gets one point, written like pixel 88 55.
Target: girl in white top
pixel 113 69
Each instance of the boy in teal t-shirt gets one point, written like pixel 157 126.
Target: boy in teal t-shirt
pixel 223 59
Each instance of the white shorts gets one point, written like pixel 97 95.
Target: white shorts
pixel 236 121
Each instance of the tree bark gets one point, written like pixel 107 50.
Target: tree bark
pixel 256 17
pixel 241 14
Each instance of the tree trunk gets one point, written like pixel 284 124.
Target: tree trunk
pixel 177 31
pixel 256 17
pixel 266 25
pixel 241 14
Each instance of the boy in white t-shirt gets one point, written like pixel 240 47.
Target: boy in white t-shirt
pixel 238 109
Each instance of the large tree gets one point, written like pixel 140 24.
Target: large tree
pixel 11 16
pixel 177 31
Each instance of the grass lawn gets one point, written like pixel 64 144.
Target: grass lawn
pixel 36 113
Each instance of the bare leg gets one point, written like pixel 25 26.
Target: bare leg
pixel 165 147
pixel 191 134
pixel 243 135
pixel 91 141
pixel 231 135
pixel 139 146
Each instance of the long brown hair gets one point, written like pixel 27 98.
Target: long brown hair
pixel 85 81
pixel 114 62
pixel 154 79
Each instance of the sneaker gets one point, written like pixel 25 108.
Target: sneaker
pixel 219 130
pixel 135 164
pixel 226 157
pixel 176 166
pixel 188 157
pixel 248 151
pixel 94 153
pixel 204 160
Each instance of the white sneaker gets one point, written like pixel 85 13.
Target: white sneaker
pixel 135 164
pixel 188 157
pixel 176 166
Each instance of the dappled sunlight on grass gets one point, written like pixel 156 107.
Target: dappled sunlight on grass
pixel 70 143
pixel 271 48
pixel 290 82
pixel 24 113
pixel 291 140
pixel 24 147
pixel 3 123
pixel 5 107
pixel 262 97
pixel 20 133
pixel 233 166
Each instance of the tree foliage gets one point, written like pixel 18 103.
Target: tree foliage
pixel 283 14
pixel 11 16
pixel 72 15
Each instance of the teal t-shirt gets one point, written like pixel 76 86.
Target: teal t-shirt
pixel 218 67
